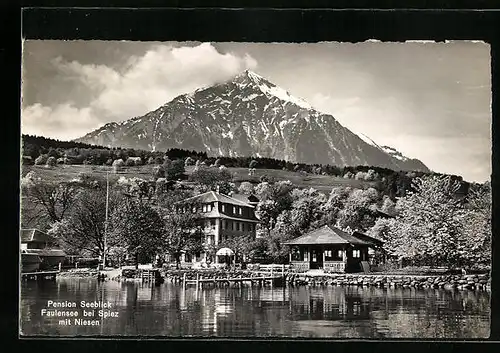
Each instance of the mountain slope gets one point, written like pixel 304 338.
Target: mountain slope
pixel 248 116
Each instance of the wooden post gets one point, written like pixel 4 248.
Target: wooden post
pixel 184 281
pixel 197 280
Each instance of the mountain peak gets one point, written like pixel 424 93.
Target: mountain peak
pixel 245 116
pixel 249 77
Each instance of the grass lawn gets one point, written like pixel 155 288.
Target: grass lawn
pixel 62 173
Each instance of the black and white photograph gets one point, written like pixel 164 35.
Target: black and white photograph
pixel 255 190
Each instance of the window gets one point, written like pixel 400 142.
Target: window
pixel 223 208
pixel 212 223
pixel 234 209
pixel 297 255
pixel 232 225
pixel 356 254
pixel 240 209
pixel 209 207
pixel 204 208
pixel 227 225
pixel 238 226
pixel 333 255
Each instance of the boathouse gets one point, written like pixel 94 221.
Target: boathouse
pixel 34 239
pixel 332 250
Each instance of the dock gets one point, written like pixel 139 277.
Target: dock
pixel 39 275
pixel 259 278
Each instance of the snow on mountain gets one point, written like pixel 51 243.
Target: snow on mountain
pixel 387 149
pixel 249 116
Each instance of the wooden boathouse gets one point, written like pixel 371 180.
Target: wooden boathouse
pixel 333 250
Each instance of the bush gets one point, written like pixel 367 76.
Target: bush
pixel 51 162
pixel 253 164
pixel 41 159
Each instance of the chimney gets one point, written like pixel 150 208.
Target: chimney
pixel 218 189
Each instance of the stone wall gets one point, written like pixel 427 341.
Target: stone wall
pixel 334 266
pixel 464 282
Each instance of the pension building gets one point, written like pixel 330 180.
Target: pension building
pixel 223 217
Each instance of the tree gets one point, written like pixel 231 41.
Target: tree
pixel 429 225
pixel 54 199
pixel 212 179
pixel 138 226
pixel 359 211
pixel 41 159
pixel 175 170
pixel 246 188
pixel 189 161
pixel 137 187
pixel 476 229
pixel 388 206
pixel 335 203
pixel 118 165
pixel 182 230
pixel 51 162
pixel 307 208
pixel 83 232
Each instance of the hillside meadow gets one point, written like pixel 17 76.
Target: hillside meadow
pixel 65 173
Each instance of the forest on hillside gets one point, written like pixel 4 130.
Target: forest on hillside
pixel 45 151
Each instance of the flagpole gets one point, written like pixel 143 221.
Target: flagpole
pixel 106 221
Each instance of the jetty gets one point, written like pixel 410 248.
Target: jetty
pixel 239 278
pixel 40 275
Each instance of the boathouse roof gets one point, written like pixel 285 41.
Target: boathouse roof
pixel 33 235
pixel 327 235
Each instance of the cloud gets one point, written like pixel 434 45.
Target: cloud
pixel 143 84
pixel 61 122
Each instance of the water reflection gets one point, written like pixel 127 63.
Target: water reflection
pixel 337 312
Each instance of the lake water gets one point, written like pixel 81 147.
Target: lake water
pixel 328 312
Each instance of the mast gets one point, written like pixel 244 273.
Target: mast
pixel 106 221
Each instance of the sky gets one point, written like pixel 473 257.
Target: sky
pixel 428 100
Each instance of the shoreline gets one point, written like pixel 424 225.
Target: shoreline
pixel 480 282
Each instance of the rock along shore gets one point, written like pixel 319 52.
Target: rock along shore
pixel 450 282
pixel 381 280
pixel 462 282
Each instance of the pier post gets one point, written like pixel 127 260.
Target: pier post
pixel 184 281
pixel 60 265
pixel 272 275
pixel 283 274
pixel 197 280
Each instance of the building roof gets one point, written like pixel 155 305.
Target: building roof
pixel 367 238
pixel 327 235
pixel 212 196
pixel 33 235
pixel 383 214
pixel 246 198
pixel 216 214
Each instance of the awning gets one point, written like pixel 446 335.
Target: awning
pixel 225 252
